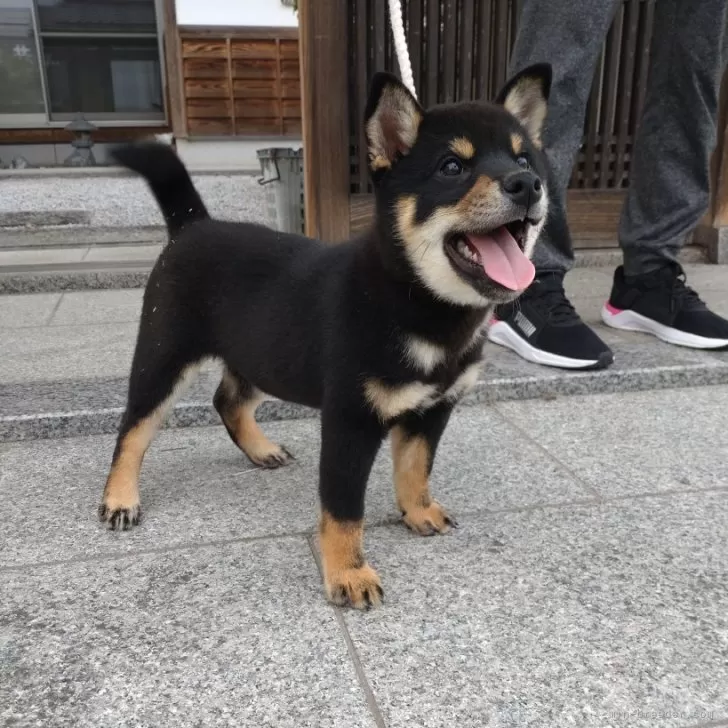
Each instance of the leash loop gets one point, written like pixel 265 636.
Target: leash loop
pixel 400 45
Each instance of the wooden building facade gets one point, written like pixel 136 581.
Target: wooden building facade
pixel 459 51
pixel 133 70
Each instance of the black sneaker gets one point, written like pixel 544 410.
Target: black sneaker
pixel 543 327
pixel 661 303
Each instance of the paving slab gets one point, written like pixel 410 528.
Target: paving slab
pixel 610 616
pixel 32 257
pixel 23 311
pixel 547 607
pixel 647 442
pixel 233 635
pixel 197 486
pixel 97 307
pixel 588 282
pixel 137 253
pixel 53 353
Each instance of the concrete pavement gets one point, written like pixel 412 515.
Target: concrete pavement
pixel 586 586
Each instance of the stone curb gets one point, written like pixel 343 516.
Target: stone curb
pixel 104 420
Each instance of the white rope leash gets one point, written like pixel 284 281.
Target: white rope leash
pixel 400 45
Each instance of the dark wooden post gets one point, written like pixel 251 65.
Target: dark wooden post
pixel 173 75
pixel 712 232
pixel 323 36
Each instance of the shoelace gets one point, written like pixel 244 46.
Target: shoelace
pixel 673 277
pixel 682 296
pixel 549 297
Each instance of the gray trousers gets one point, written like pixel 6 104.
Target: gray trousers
pixel 669 177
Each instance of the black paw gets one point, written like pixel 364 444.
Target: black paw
pixel 120 519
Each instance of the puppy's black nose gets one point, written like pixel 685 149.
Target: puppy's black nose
pixel 524 188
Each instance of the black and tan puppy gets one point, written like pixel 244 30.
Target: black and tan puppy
pixel 384 333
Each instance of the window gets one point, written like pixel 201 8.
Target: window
pixel 103 77
pixel 21 88
pixel 101 58
pixel 61 57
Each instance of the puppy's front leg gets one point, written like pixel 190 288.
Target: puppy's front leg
pixel 414 444
pixel 349 444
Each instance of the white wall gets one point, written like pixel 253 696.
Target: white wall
pixel 269 13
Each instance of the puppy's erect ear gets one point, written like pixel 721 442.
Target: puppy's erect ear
pixel 526 96
pixel 391 121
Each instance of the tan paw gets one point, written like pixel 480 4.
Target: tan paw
pixel 269 455
pixel 118 517
pixel 359 588
pixel 429 520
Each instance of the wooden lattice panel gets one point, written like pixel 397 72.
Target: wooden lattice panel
pixel 241 84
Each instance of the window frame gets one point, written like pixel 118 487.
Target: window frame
pixel 103 119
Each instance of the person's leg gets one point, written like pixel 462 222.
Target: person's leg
pixel 669 177
pixel 542 325
pixel 570 37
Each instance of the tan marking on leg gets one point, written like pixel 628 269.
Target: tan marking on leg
pixel 463 147
pixel 516 143
pixel 411 457
pixel 348 579
pixel 120 503
pixel 121 493
pixel 239 416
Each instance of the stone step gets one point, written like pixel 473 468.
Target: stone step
pixel 76 407
pixel 74 236
pixel 76 268
pixel 66 357
pixel 109 265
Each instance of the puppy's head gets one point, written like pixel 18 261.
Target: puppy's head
pixel 462 187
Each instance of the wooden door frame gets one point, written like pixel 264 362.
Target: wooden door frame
pixel 330 209
pixel 323 38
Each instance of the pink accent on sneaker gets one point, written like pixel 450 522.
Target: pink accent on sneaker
pixel 612 309
pixel 493 320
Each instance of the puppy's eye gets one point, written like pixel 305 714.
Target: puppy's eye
pixel 522 162
pixel 451 167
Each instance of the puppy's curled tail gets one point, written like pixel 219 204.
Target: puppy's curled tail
pixel 168 180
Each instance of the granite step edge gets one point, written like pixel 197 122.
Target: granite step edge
pixel 100 278
pixel 95 421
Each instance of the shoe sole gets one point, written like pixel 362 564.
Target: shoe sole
pixel 502 334
pixel 627 320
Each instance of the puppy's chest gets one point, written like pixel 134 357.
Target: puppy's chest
pixel 452 380
pixel 430 380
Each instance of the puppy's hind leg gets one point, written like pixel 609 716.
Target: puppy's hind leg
pixel 154 385
pixel 236 400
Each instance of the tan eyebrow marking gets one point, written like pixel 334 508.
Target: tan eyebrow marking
pixel 463 147
pixel 517 143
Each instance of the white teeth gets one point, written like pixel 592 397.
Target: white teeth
pixel 466 251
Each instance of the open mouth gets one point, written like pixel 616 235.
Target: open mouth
pixel 496 254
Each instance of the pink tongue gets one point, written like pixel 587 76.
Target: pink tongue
pixel 503 261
